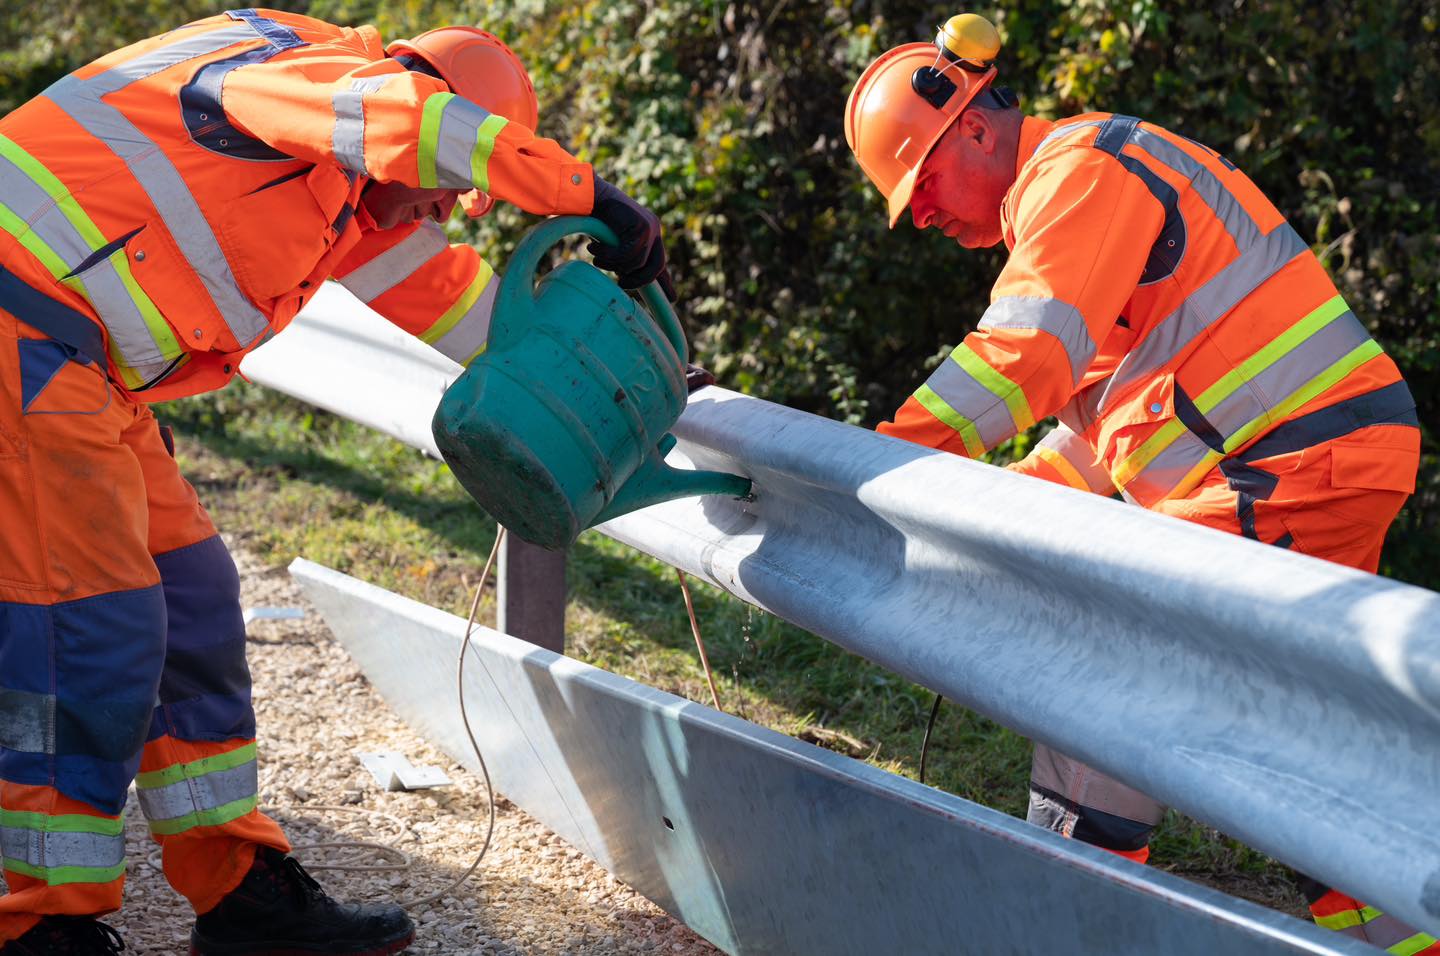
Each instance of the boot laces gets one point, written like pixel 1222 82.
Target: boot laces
pixel 304 886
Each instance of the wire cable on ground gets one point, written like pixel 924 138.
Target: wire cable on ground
pixel 699 644
pixel 925 744
pixel 465 719
pixel 400 859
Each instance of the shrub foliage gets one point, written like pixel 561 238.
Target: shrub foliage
pixel 726 117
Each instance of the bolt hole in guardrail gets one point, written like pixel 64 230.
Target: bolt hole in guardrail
pixel 668 824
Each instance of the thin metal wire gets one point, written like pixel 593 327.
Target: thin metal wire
pixel 925 744
pixel 465 719
pixel 699 644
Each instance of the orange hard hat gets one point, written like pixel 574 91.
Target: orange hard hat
pixel 479 67
pixel 906 100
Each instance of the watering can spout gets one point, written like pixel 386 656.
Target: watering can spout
pixel 654 482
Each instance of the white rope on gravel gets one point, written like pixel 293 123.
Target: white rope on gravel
pixel 400 860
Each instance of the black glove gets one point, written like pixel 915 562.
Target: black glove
pixel 639 259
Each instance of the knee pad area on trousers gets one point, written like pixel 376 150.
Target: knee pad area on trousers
pixel 77 685
pixel 205 686
pixel 1086 824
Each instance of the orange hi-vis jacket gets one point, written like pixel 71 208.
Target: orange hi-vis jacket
pixel 192 191
pixel 1156 303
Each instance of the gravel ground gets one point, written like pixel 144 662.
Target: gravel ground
pixel 532 894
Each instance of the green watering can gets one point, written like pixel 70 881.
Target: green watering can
pixel 561 422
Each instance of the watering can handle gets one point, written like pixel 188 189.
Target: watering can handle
pixel 519 278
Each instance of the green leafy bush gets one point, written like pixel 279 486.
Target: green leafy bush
pixel 726 117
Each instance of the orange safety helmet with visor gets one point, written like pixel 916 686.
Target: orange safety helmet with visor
pixel 906 100
pixel 480 67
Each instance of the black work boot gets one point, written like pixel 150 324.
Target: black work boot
pixel 279 910
pixel 65 936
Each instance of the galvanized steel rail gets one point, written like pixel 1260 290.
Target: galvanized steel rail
pixel 764 844
pixel 1292 703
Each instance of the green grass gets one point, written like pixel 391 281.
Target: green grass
pixel 283 480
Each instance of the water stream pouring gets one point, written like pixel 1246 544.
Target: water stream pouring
pixel 562 421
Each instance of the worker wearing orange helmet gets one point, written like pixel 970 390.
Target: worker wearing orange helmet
pixel 1196 354
pixel 163 211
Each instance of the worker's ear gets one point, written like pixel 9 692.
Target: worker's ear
pixel 978 131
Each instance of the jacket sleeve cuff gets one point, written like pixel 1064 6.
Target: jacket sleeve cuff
pixel 575 195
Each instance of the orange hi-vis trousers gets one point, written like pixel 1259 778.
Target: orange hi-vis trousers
pixel 122 646
pixel 1318 485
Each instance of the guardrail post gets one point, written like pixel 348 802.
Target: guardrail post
pixel 531 594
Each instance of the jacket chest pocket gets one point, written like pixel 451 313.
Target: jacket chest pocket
pixel 275 236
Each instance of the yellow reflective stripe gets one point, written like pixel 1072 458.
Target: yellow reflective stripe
pixel 462 305
pixel 1275 350
pixel 66 875
pixel 1062 464
pixel 1148 451
pixel 997 384
pixel 941 409
pixel 155 323
pixel 1357 357
pixel 62 822
pixel 1415 944
pixel 479 352
pixel 430 117
pixel 485 139
pixel 1345 919
pixel 205 818
pixel 196 768
pixel 20 229
pixel 55 189
pixel 1233 380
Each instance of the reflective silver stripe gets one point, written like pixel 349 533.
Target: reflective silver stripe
pixel 1066 130
pixel 1205 306
pixel 24 197
pixel 158 176
pixel 470 334
pixel 194 794
pixel 171 54
pixel 972 400
pixel 459 128
pixel 1082 410
pixel 128 332
pixel 51 849
pixel 1232 214
pixel 1081 456
pixel 398 263
pixel 27 721
pixel 1288 374
pixel 348 140
pixel 1168 469
pixel 1060 319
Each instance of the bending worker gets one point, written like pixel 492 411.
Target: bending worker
pixel 163 211
pixel 1194 350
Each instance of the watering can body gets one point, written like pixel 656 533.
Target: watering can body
pixel 559 423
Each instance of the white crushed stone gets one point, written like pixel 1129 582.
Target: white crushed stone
pixel 533 894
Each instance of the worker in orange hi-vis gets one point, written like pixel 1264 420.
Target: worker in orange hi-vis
pixel 1196 354
pixel 163 211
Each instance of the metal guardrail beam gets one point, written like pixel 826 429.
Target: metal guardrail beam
pixel 759 842
pixel 1290 702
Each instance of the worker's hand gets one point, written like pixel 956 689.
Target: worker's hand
pixel 639 259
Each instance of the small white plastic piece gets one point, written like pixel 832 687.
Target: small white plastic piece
pixel 394 771
pixel 272 614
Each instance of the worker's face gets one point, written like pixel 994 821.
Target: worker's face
pixel 395 204
pixel 962 183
